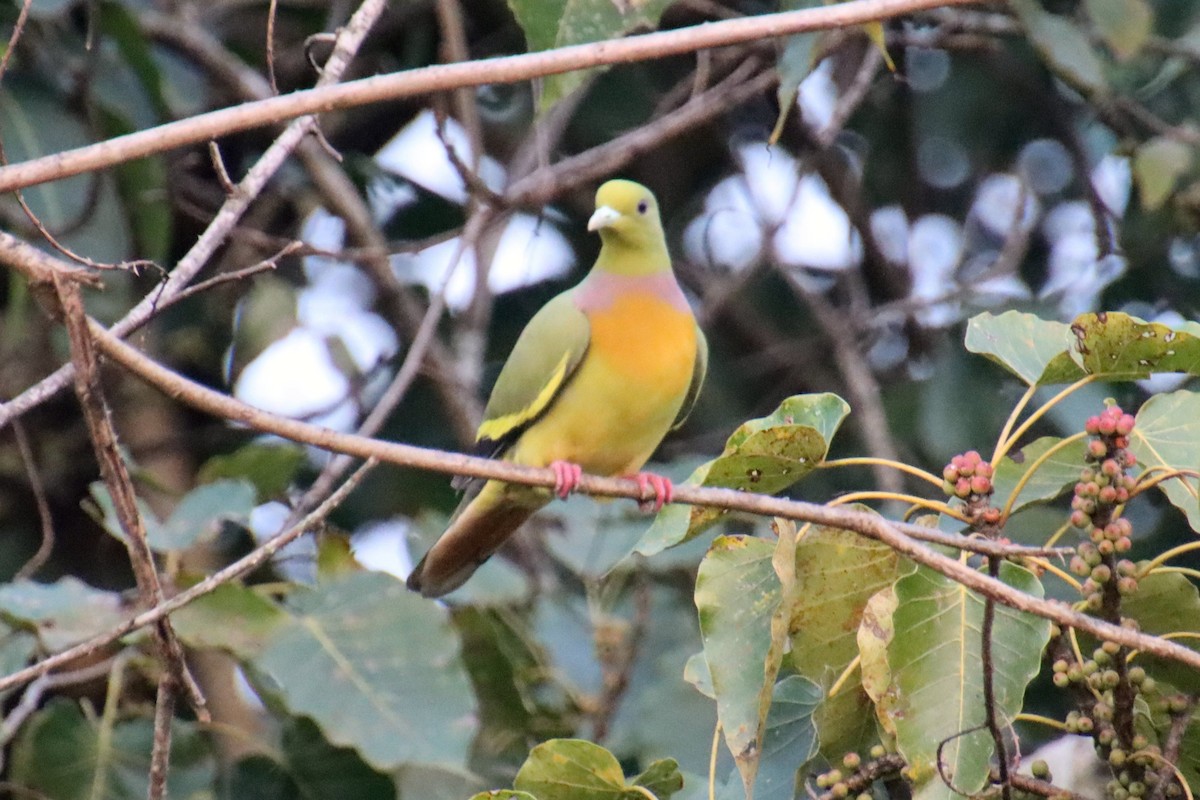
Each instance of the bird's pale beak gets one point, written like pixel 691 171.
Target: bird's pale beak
pixel 603 217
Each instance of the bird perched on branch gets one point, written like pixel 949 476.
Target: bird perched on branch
pixel 596 380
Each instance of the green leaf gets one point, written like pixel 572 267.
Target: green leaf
pixel 1055 475
pixel 232 617
pixel 1167 434
pixel 1035 350
pixel 1117 346
pixel 737 594
pixel 1167 602
pixel 141 184
pixel 1157 167
pixel 764 456
pixel 572 769
pixel 934 657
pixel 1063 46
pixel 662 778
pixel 270 466
pixel 65 755
pixel 321 770
pixel 838 572
pixel 875 633
pixel 793 65
pixel 377 668
pixel 198 516
pixel 504 794
pixel 1123 24
pixel 62 613
pixel 550 24
pixel 119 24
pixel 84 208
pixel 789 740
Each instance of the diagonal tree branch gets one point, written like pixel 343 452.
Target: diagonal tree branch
pixel 445 77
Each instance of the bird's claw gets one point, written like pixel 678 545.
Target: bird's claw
pixel 664 490
pixel 566 477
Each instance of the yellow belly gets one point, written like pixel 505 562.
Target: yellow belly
pixel 622 400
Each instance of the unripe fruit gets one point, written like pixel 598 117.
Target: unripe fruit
pixel 1040 770
pixel 852 761
pixel 1127 586
pixel 1123 545
pixel 1097 449
pixel 1136 675
pixel 1112 648
pixel 982 485
pixel 1106 548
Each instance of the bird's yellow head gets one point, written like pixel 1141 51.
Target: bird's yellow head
pixel 627 216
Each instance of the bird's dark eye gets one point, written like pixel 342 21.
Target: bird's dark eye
pixel 643 207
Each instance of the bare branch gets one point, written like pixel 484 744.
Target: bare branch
pixel 444 77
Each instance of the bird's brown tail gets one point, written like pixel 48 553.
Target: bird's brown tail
pixel 476 532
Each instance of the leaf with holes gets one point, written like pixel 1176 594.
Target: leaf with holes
pixel 377 668
pixel 1167 434
pixel 1117 346
pixel 764 456
pixel 935 660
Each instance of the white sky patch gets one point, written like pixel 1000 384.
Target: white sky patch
pixel 770 176
pixel 770 194
pixel 998 204
pixel 416 153
pixel 817 232
pixel 817 96
pixel 1113 179
pixel 323 231
pixel 889 227
pixel 296 560
pixel 294 376
pixel 1066 219
pixel 383 546
pixel 1165 381
pixel 934 252
pixel 727 238
pixel 529 251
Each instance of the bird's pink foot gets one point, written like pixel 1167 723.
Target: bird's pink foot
pixel 566 477
pixel 664 490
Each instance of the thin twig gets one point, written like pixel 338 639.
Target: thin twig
pixel 160 753
pixel 119 484
pixel 39 558
pixel 15 36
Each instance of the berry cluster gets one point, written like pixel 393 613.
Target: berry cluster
pixel 1107 683
pixel 854 775
pixel 967 475
pixel 969 478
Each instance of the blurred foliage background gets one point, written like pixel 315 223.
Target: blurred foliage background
pixel 1030 155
